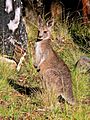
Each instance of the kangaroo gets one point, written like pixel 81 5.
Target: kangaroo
pixel 56 75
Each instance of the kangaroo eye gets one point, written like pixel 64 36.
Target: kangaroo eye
pixel 45 31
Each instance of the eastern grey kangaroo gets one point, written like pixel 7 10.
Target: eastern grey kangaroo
pixel 56 75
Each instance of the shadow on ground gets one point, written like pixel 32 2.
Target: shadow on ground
pixel 30 91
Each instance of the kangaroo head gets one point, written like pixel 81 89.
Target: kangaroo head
pixel 44 31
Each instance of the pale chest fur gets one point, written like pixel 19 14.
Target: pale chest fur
pixel 38 52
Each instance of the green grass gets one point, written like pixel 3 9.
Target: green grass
pixel 81 35
pixel 37 106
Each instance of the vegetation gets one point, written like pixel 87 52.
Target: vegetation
pixel 81 35
pixel 22 96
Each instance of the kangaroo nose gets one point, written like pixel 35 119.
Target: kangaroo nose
pixel 40 36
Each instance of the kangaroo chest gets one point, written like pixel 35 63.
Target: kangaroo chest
pixel 41 53
pixel 38 49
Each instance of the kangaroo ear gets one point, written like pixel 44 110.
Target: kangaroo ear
pixel 50 23
pixel 40 21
